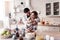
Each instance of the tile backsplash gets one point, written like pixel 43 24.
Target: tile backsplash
pixel 51 20
pixel 48 29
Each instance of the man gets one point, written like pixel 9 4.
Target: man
pixel 27 15
pixel 24 19
pixel 27 12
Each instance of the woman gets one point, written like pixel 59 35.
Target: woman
pixel 33 21
pixel 32 26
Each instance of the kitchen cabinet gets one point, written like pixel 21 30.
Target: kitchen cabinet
pixel 56 8
pixel 48 9
pixel 52 9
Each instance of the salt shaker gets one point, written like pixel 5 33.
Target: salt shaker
pixel 47 37
pixel 51 38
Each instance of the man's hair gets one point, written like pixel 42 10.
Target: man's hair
pixel 26 10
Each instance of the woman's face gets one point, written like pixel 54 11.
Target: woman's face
pixel 32 15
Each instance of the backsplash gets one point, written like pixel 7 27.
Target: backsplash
pixel 51 20
pixel 48 29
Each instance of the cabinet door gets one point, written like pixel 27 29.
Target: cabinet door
pixel 48 9
pixel 56 8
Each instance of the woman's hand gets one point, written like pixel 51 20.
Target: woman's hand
pixel 34 23
pixel 29 21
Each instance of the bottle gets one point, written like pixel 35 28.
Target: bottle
pixel 43 22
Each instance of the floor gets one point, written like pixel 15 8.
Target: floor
pixel 7 39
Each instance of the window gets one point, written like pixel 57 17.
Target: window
pixel 48 9
pixel 56 8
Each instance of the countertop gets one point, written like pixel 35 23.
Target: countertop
pixel 50 25
pixel 51 30
pixel 56 35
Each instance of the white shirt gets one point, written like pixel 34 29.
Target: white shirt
pixel 24 19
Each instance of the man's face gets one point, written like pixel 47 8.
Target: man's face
pixel 28 13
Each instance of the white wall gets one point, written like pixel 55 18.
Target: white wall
pixel 3 17
pixel 11 10
pixel 2 11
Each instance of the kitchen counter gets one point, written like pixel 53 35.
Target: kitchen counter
pixel 48 28
pixel 50 25
pixel 51 30
pixel 56 35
